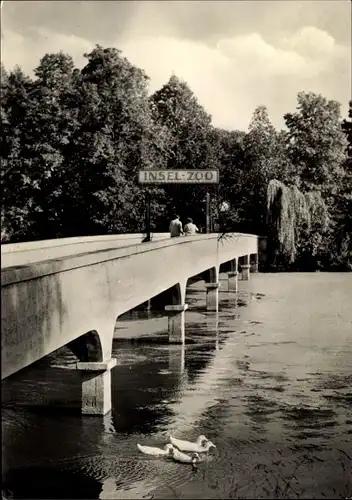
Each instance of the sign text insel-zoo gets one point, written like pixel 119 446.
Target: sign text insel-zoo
pixel 178 176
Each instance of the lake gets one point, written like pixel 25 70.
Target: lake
pixel 268 379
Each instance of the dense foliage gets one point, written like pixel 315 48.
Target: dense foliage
pixel 73 141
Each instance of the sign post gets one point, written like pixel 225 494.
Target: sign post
pixel 178 177
pixel 207 213
pixel 147 218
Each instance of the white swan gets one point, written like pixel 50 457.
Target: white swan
pixel 200 446
pixel 178 456
pixel 156 452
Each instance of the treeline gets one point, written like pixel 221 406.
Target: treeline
pixel 73 141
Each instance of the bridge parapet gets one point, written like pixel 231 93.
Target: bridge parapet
pixel 13 254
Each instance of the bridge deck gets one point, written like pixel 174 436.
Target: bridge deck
pixel 18 254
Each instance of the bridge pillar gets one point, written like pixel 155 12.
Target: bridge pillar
pixel 254 263
pixel 245 268
pixel 232 276
pixel 176 322
pixel 224 283
pixel 233 281
pixel 96 386
pixel 212 296
pixel 233 265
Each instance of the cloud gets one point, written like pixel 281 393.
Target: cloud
pixel 311 42
pixel 230 77
pixel 257 55
pixel 236 74
pixel 26 49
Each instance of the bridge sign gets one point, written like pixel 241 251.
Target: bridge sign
pixel 178 176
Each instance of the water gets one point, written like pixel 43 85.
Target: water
pixel 268 379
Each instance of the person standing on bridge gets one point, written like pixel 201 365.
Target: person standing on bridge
pixel 190 228
pixel 175 227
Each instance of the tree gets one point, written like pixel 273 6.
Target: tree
pixel 193 143
pixel 188 123
pixel 230 154
pixel 295 220
pixel 317 150
pixel 117 136
pixel 50 127
pixel 40 121
pixel 342 255
pixel 17 192
pixel 317 144
pixel 347 128
pixel 264 151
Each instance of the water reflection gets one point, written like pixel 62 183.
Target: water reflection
pixel 109 489
pixel 177 359
pixel 44 482
pixel 138 402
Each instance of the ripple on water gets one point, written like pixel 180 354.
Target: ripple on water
pixel 309 418
pixel 264 375
pixel 334 381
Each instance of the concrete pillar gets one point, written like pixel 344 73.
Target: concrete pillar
pixel 245 268
pixel 96 386
pixel 223 283
pixel 233 265
pixel 233 281
pixel 262 250
pixel 176 320
pixel 254 264
pixel 212 296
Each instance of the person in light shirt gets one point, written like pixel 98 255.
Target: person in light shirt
pixel 190 228
pixel 175 227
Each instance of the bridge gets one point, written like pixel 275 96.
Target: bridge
pixel 70 292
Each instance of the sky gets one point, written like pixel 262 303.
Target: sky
pixel 235 55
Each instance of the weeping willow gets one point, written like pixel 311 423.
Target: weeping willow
pixel 290 213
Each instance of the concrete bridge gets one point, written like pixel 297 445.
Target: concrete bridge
pixel 73 292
